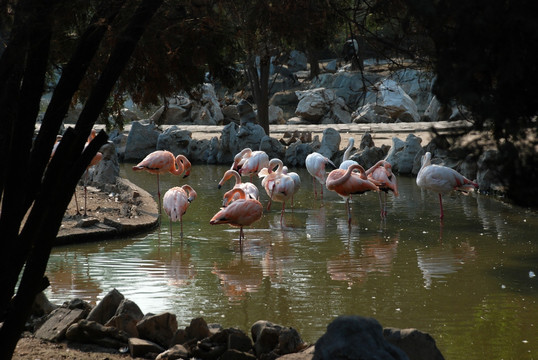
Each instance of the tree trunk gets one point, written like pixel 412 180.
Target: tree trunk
pixel 60 179
pixel 259 82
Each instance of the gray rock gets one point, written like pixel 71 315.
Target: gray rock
pixel 141 141
pixel 108 169
pixel 175 352
pixel 402 154
pixel 330 143
pixel 272 147
pixel 106 308
pixel 416 344
pixel 141 347
pixel 158 328
pixel 58 321
pixel 175 140
pixel 355 337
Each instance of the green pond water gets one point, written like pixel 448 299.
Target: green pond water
pixel 468 281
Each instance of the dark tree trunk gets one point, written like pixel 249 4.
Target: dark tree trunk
pixel 60 178
pixel 259 82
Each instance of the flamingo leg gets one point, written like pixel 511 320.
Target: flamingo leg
pixel 76 201
pixel 170 227
pixel 159 194
pixel 321 191
pixel 381 205
pixel 181 225
pixel 441 206
pixel 315 191
pixel 348 208
pixel 282 212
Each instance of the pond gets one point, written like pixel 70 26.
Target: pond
pixel 469 281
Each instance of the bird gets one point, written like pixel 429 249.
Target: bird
pixel 95 160
pixel 251 190
pixel 248 162
pixel 176 201
pixel 161 162
pixel 296 180
pixel 278 186
pixel 381 174
pixel 442 179
pixel 239 213
pixel 315 165
pixel 346 162
pixel 347 182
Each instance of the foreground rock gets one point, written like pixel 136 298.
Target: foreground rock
pixel 118 323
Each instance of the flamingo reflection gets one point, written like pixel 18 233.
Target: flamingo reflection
pixel 239 277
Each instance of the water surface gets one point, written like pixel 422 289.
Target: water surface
pixel 468 281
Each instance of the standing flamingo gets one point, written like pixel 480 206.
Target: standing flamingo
pixel 250 189
pixel 239 213
pixel 163 161
pixel 278 186
pixel 442 179
pixel 296 181
pixel 315 164
pixel 346 162
pixel 248 162
pixel 176 202
pixel 347 182
pixel 381 174
pixel 96 159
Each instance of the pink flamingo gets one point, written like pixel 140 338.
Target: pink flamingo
pixel 278 186
pixel 250 189
pixel 248 162
pixel 176 201
pixel 347 182
pixel 96 159
pixel 442 179
pixel 296 181
pixel 381 174
pixel 315 164
pixel 163 161
pixel 239 213
pixel 346 162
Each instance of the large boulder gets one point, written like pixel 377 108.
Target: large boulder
pixel 141 141
pixel 175 140
pixel 108 169
pixel 402 154
pixel 355 337
pixel 391 101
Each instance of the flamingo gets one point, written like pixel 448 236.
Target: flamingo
pixel 347 182
pixel 381 174
pixel 278 186
pixel 296 181
pixel 251 190
pixel 176 201
pixel 248 162
pixel 346 162
pixel 442 179
pixel 96 159
pixel 315 164
pixel 163 161
pixel 239 213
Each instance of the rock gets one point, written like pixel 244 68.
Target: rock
pixel 199 150
pixel 246 113
pixel 141 141
pixel 174 353
pixel 355 337
pixel 175 140
pixel 416 344
pixel 232 354
pixel 197 329
pixel 58 321
pixel 106 308
pixel 390 99
pixel 402 154
pixel 140 347
pixel 158 328
pixel 306 354
pixel 314 104
pixel 297 61
pixel 417 84
pixel 330 143
pixel 489 170
pixel 272 147
pixel 271 340
pixel 92 332
pixel 126 317
pixel 249 136
pixel 347 85
pixel 284 98
pixel 366 141
pixel 107 170
pixel 276 115
pixel 42 306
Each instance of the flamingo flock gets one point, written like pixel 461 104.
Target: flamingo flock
pixel 241 205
